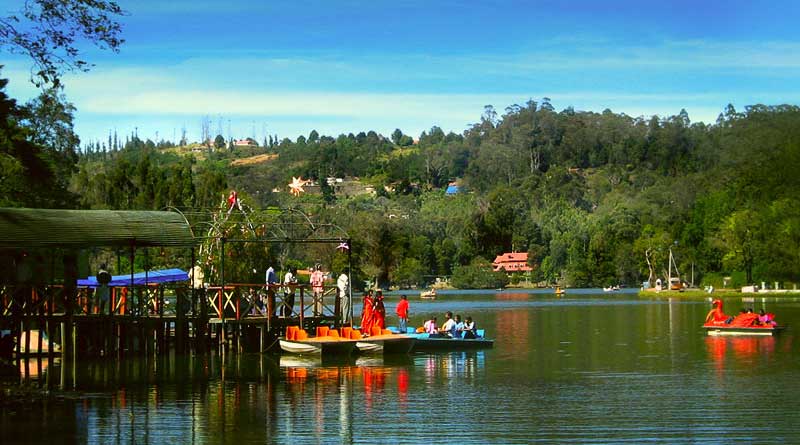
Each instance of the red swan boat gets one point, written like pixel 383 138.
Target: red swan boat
pixel 718 323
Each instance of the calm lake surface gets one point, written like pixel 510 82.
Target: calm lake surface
pixel 584 368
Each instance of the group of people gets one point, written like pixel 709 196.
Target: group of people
pixel 317 282
pixel 373 313
pixel 746 317
pixel 452 327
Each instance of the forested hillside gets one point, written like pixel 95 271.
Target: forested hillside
pixel 596 199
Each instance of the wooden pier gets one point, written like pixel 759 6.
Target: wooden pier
pixel 45 312
pixel 155 319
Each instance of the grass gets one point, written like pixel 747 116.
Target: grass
pixel 721 294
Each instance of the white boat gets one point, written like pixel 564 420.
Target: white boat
pixel 313 346
pixel 428 294
pixel 611 289
pixel 388 344
pixel 367 347
pixel 296 347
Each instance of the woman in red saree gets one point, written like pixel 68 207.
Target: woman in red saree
pixel 379 311
pixel 366 313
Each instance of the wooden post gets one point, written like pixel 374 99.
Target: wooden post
pixel 221 338
pixel 180 318
pixel 64 348
pixel 26 324
pixel 50 331
pixel 302 307
pixel 41 324
pixel 70 283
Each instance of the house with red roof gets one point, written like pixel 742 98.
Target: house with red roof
pixel 512 262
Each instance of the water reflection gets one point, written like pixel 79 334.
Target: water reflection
pixel 464 365
pixel 575 370
pixel 724 351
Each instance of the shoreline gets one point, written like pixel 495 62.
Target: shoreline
pixel 719 293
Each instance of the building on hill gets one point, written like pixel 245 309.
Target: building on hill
pixel 249 142
pixel 512 262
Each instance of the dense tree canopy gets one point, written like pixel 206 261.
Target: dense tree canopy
pixel 594 198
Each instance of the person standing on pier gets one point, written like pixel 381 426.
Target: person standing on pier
pixel 289 283
pixel 379 310
pixel 102 291
pixel 343 291
pixel 317 288
pixel 402 313
pixel 366 313
pixel 272 281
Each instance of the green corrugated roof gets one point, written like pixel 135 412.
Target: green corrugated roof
pixel 31 228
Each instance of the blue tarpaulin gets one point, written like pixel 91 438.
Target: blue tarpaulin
pixel 153 277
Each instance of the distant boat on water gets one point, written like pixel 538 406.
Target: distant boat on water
pixel 428 294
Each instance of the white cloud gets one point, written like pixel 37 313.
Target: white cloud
pixel 415 91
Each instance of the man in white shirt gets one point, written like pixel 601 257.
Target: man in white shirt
pixel 449 326
pixel 289 283
pixel 343 289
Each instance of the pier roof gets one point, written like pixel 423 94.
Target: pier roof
pixel 51 228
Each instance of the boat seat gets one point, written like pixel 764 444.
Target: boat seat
pixel 376 330
pixel 301 335
pixel 386 332
pixel 480 333
pixel 291 332
pixel 322 331
pixel 411 330
pixel 333 333
pixel 346 331
pixel 355 334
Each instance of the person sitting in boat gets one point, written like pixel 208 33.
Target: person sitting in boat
pixel 469 328
pixel 765 318
pixel 745 318
pixel 449 326
pixel 458 331
pixel 430 326
pixel 716 315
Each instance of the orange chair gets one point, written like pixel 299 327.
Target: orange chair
pixel 355 334
pixel 302 335
pixel 322 331
pixel 333 333
pixel 376 330
pixel 291 332
pixel 386 332
pixel 346 331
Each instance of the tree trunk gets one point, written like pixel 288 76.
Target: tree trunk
pixel 652 276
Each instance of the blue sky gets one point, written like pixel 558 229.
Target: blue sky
pixel 287 68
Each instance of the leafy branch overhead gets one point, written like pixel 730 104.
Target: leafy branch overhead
pixel 50 32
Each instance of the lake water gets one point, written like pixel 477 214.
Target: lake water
pixel 592 368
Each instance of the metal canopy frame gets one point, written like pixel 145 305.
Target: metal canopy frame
pixel 279 226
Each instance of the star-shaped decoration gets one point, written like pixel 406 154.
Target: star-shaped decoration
pixel 343 246
pixel 296 187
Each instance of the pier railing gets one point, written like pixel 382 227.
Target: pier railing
pixel 235 301
pixel 146 318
